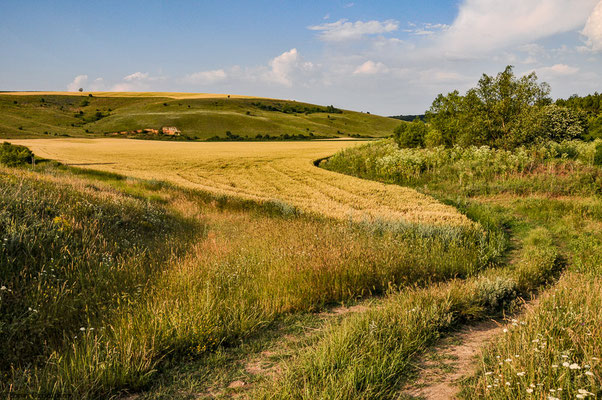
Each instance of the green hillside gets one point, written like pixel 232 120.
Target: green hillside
pixel 48 115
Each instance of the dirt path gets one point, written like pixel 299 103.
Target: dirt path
pixel 443 366
pixel 251 369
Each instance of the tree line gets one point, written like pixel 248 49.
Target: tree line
pixel 503 111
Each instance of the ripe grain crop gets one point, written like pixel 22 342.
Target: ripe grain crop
pixel 281 172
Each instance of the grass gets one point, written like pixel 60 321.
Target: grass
pixel 123 276
pixel 554 351
pixel 281 173
pixel 249 252
pixel 48 114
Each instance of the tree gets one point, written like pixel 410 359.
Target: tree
pixel 81 89
pixel 491 113
pixel 411 134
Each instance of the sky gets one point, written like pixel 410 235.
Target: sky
pixel 387 57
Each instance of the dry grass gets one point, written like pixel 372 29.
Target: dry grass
pixel 267 171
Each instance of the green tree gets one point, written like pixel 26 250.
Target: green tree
pixel 411 134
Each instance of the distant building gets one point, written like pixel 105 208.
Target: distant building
pixel 171 131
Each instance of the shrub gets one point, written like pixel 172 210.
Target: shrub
pixel 14 155
pixel 411 134
pixel 598 154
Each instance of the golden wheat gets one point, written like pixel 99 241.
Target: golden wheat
pixel 281 171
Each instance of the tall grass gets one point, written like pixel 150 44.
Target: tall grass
pixel 145 271
pixel 554 351
pixel 370 355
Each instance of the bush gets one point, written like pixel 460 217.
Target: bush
pixel 598 154
pixel 14 155
pixel 411 134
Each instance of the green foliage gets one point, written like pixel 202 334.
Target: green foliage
pixel 411 134
pixel 598 154
pixel 15 155
pixel 560 123
pixel 504 111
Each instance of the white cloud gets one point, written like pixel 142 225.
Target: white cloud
pixel 426 29
pixel 342 29
pixel 78 81
pixel 136 76
pixel 138 81
pixel 557 69
pixel 371 68
pixel 207 77
pixel 593 29
pixel 286 66
pixel 487 25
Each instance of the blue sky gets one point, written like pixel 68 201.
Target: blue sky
pixel 387 57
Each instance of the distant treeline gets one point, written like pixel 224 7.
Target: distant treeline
pixel 592 104
pixel 232 137
pixel 408 118
pixel 296 108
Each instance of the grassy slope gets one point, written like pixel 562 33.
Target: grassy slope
pixel 26 116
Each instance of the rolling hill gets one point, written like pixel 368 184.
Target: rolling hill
pixel 197 116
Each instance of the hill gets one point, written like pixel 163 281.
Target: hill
pixel 197 116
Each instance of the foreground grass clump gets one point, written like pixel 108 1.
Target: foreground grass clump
pixel 554 351
pixel 69 255
pixel 370 355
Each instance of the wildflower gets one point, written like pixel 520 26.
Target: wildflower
pixel 82 329
pixel 554 365
pixel 553 398
pixel 507 383
pixel 574 366
pixel 589 373
pixel 3 288
pixel 529 390
pixel 488 373
pixel 505 330
pixel 520 374
pixel 508 360
pixel 565 364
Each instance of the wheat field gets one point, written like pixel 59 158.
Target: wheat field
pixel 170 95
pixel 265 171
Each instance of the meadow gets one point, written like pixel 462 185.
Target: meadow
pixel 113 278
pixel 197 116
pixel 218 270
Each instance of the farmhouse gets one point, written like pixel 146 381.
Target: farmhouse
pixel 170 130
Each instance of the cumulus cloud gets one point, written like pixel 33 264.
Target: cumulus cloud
pixel 343 30
pixel 593 29
pixel 371 68
pixel 78 81
pixel 138 81
pixel 485 25
pixel 207 77
pixel 286 66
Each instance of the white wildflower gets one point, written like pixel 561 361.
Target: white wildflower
pixel 574 366
pixel 529 390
